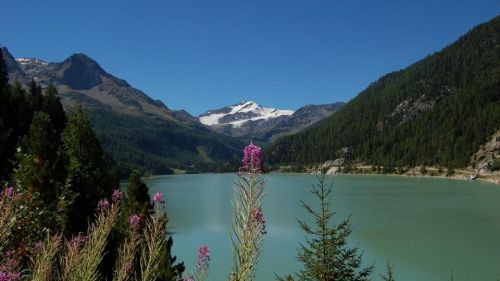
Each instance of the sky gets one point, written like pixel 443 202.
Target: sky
pixel 206 54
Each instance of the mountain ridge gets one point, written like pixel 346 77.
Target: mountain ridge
pixel 137 131
pixel 251 120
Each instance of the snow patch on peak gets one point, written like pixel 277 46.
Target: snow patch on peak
pixel 36 61
pixel 236 115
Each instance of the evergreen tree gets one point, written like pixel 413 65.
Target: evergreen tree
pixel 38 157
pixel 16 117
pixel 4 78
pixel 389 276
pixel 88 172
pixel 52 106
pixel 326 256
pixel 35 97
pixel 138 202
pixel 137 196
pixel 3 129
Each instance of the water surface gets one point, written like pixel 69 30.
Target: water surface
pixel 426 227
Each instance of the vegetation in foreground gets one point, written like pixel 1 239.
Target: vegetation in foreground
pixel 142 225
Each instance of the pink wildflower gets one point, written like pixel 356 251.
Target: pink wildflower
pixel 134 221
pixel 78 240
pixel 257 218
pixel 203 256
pixel 102 205
pixel 8 192
pixel 38 246
pixel 129 267
pixel 251 158
pixel 117 196
pixel 158 198
pixel 9 276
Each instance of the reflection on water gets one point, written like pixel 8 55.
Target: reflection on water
pixel 425 227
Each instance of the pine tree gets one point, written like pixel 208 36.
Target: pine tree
pixel 4 78
pixel 138 202
pixel 326 255
pixel 88 172
pixel 3 128
pixel 16 119
pixel 137 196
pixel 389 276
pixel 52 106
pixel 35 96
pixel 38 156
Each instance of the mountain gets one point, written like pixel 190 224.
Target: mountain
pixel 438 111
pixel 251 120
pixel 237 114
pixel 137 131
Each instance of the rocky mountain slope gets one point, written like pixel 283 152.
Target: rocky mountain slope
pixel 137 131
pixel 438 111
pixel 249 120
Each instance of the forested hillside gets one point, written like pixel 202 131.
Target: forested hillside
pixel 437 111
pixel 135 130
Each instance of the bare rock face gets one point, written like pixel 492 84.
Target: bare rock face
pixel 487 154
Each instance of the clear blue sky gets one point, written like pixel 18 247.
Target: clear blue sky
pixel 199 55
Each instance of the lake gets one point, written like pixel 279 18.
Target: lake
pixel 426 227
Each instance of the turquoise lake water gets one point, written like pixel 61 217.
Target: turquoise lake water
pixel 426 227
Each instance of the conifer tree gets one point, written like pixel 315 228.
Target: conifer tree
pixel 4 78
pixel 3 129
pixel 16 117
pixel 38 157
pixel 53 107
pixel 88 172
pixel 326 255
pixel 35 96
pixel 390 274
pixel 138 202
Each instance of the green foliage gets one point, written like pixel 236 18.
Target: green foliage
pixel 326 255
pixel 458 89
pixel 495 165
pixel 248 230
pixel 157 146
pixel 137 196
pixel 390 274
pixel 89 173
pixel 40 159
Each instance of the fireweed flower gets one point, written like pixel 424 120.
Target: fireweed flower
pixel 248 217
pixel 158 198
pixel 134 222
pixel 8 192
pixel 38 246
pixel 78 240
pixel 129 267
pixel 257 219
pixel 203 256
pixel 117 196
pixel 251 158
pixel 8 269
pixel 202 263
pixel 9 276
pixel 102 205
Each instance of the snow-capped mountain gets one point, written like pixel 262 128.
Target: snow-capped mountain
pixel 251 120
pixel 238 114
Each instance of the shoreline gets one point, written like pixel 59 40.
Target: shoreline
pixel 493 178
